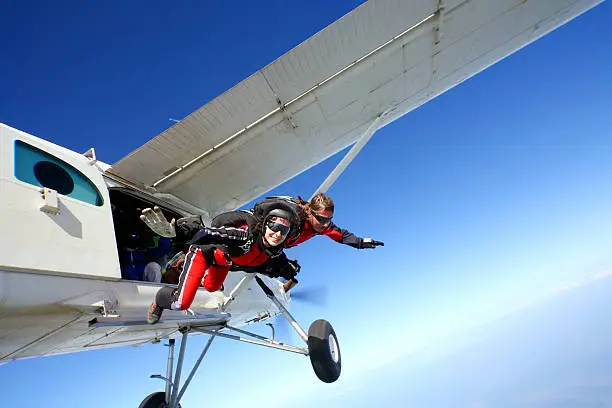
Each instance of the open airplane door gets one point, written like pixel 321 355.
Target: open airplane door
pixel 59 206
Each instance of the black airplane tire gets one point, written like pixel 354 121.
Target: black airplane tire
pixel 155 400
pixel 324 351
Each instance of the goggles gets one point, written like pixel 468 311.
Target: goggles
pixel 278 227
pixel 321 219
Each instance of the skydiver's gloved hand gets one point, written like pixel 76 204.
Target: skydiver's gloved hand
pixel 156 220
pixel 290 270
pixel 370 243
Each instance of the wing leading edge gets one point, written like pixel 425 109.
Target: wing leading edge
pixel 385 58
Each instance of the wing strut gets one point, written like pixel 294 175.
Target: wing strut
pixel 348 158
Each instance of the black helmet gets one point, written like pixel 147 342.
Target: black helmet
pixel 279 212
pixel 285 211
pixel 261 209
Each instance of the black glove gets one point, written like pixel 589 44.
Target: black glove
pixel 370 243
pixel 187 226
pixel 289 270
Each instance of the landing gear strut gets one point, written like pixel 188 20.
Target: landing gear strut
pixel 171 397
pixel 321 341
pixel 323 347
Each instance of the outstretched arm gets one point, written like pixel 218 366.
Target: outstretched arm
pixel 191 230
pixel 348 238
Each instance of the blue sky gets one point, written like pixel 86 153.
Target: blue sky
pixel 493 201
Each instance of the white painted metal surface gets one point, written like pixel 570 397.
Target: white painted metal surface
pixel 79 239
pixel 60 270
pixel 386 55
pixel 47 314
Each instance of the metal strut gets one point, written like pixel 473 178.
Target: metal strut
pixel 348 158
pixel 173 395
pixel 169 368
pixel 173 391
pixel 263 342
pixel 282 308
pixel 173 403
pixel 195 367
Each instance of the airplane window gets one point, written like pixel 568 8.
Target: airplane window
pixel 39 168
pixel 50 174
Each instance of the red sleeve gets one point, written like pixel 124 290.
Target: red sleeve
pixel 342 236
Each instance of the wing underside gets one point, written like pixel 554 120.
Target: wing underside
pixel 386 57
pixel 72 314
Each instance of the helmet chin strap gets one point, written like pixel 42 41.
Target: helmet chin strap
pixel 265 242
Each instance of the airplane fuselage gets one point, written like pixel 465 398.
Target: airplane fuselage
pixel 60 271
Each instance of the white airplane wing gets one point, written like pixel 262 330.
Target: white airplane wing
pixel 386 57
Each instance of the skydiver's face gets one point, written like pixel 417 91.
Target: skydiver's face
pixel 320 220
pixel 277 229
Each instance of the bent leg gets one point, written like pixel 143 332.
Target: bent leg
pixel 163 300
pixel 165 297
pixel 216 274
pixel 193 271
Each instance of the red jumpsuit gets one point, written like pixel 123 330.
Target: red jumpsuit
pixel 213 251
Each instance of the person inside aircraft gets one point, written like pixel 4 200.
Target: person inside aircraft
pixel 139 256
pixel 244 242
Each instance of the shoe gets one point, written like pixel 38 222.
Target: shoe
pixel 154 313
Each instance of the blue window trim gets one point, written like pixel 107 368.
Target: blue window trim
pixel 26 159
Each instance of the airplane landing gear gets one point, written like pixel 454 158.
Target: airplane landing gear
pixel 323 347
pixel 155 400
pixel 171 397
pixel 324 351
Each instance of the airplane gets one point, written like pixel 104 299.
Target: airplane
pixel 61 288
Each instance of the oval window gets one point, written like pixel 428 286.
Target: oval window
pixel 39 168
pixel 52 176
